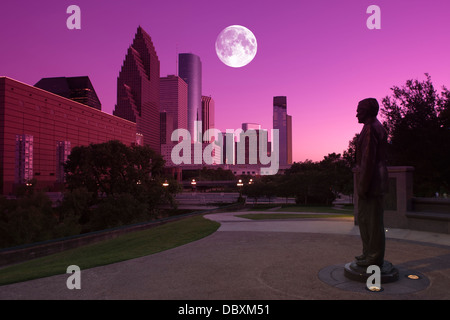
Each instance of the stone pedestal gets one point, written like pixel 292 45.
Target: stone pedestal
pixel 354 272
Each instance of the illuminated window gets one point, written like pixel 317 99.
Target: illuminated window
pixel 62 154
pixel 24 158
pixel 139 139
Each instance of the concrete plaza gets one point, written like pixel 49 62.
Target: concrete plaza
pixel 263 260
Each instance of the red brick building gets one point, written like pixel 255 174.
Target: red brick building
pixel 38 129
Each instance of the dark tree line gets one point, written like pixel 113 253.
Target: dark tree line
pixel 107 185
pixel 417 118
pixel 308 182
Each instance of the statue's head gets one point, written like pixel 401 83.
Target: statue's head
pixel 367 108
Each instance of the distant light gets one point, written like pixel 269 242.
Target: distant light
pixel 374 289
pixel 165 184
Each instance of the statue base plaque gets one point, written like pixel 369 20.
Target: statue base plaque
pixel 354 272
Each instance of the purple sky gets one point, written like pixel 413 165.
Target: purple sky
pixel 319 54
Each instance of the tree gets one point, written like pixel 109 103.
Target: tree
pixel 310 183
pixel 417 120
pixel 112 168
pixel 254 190
pixel 28 218
pixel 125 183
pixel 338 172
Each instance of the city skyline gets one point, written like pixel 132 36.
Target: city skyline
pixel 321 55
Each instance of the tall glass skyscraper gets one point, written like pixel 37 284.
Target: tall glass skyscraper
pixel 138 89
pixel 283 122
pixel 190 70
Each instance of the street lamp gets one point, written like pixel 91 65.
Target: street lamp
pixel 251 181
pixel 239 185
pixel 165 184
pixel 193 184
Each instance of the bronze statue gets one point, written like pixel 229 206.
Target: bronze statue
pixel 372 179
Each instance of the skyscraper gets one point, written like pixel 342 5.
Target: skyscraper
pixel 289 138
pixel 283 122
pixel 79 89
pixel 138 89
pixel 190 70
pixel 166 127
pixel 207 116
pixel 174 102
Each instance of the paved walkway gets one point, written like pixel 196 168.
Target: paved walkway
pixel 259 259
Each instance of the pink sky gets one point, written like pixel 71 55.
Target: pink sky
pixel 319 54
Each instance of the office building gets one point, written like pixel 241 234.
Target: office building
pixel 166 127
pixel 174 103
pixel 138 89
pixel 283 123
pixel 208 107
pixel 38 129
pixel 249 148
pixel 190 70
pixel 78 89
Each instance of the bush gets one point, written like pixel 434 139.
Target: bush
pixel 30 218
pixel 116 211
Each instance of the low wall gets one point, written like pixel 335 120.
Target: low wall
pixel 404 211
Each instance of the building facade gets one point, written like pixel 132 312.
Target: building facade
pixel 283 123
pixel 79 89
pixel 38 129
pixel 208 107
pixel 138 89
pixel 174 103
pixel 190 70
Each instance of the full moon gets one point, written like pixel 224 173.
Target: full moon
pixel 236 46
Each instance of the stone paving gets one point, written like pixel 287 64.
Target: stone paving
pixel 263 260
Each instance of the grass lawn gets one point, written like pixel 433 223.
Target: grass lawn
pixel 124 247
pixel 296 208
pixel 266 216
pixel 315 209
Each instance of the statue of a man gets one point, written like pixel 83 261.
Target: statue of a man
pixel 371 185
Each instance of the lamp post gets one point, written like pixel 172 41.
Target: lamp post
pixel 239 185
pixel 193 184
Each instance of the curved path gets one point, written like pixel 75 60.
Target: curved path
pixel 257 259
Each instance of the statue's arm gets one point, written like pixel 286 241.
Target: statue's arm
pixel 368 161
